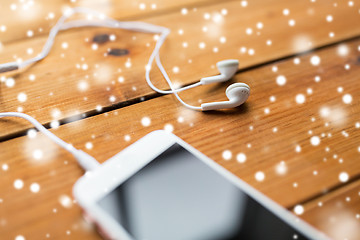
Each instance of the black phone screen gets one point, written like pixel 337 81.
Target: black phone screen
pixel 178 197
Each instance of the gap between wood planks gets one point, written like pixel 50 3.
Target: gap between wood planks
pixel 327 191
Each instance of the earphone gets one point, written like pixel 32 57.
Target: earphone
pixel 227 69
pixel 237 93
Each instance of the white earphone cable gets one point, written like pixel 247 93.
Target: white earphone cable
pixel 111 23
pixel 158 62
pixel 86 161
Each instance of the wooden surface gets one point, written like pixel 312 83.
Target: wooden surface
pixel 61 90
pixel 337 213
pixel 277 129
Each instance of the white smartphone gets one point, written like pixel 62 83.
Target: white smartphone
pixel 161 188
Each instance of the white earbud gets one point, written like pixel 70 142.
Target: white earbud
pixel 237 94
pixel 227 69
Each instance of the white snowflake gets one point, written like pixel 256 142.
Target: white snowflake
pixel 146 121
pixel 260 176
pixel 227 155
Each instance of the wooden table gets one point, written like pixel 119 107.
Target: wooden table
pixel 300 127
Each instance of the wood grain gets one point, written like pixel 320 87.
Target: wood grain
pixel 78 80
pixel 40 16
pixel 337 213
pixel 272 130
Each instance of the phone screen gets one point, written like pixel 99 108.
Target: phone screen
pixel 177 196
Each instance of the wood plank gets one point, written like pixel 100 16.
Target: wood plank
pixel 337 213
pixel 272 130
pixel 84 79
pixel 20 17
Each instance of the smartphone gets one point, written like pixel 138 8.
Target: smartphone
pixel 161 188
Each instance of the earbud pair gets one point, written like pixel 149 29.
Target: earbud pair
pixel 237 93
